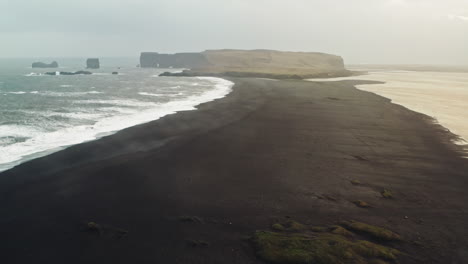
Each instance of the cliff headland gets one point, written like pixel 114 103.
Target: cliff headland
pixel 249 63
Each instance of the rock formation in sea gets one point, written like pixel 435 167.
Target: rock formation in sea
pixel 249 63
pixel 54 64
pixel 92 63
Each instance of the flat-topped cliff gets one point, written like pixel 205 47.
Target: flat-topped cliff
pixel 266 61
pixel 261 63
pixel 178 60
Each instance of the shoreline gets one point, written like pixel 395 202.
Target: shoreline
pixel 266 151
pixel 426 99
pixel 221 88
pixel 266 75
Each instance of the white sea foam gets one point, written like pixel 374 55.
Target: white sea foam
pixel 151 94
pixel 34 74
pixel 101 73
pixel 19 92
pixel 77 114
pixel 66 85
pixel 18 131
pixel 160 94
pixel 40 143
pixel 119 109
pixel 173 87
pixel 118 102
pixel 68 94
pixel 7 141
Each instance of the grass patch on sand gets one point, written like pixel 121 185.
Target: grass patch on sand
pixel 318 229
pixel 339 230
pixel 318 248
pixel 376 232
pixel 387 194
pixel 294 226
pixel 290 226
pixel 278 227
pixel 361 204
pixel 355 182
pixel 334 244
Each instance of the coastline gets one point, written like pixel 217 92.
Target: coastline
pixel 265 151
pixel 112 125
pixel 266 75
pixel 412 90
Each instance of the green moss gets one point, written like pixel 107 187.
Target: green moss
pixel 318 229
pixel 377 261
pixel 289 226
pixel 278 227
pixel 386 194
pixel 323 248
pixel 355 182
pixel 361 204
pixel 338 230
pixel 294 226
pixel 369 249
pixel 374 231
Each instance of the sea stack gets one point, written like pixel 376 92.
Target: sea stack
pixel 92 63
pixel 54 64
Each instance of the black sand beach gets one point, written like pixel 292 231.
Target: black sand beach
pixel 269 150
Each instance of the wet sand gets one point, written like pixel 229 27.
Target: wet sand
pixel 269 150
pixel 441 95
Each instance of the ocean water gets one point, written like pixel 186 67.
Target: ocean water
pixel 441 95
pixel 41 114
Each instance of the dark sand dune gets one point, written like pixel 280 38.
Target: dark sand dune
pixel 270 149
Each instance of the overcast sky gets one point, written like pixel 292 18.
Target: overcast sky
pixel 362 31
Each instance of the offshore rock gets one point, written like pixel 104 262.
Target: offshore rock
pixel 54 64
pixel 92 63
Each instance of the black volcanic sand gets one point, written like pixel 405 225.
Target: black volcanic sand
pixel 269 150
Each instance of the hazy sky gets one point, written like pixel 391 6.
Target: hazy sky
pixel 362 31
